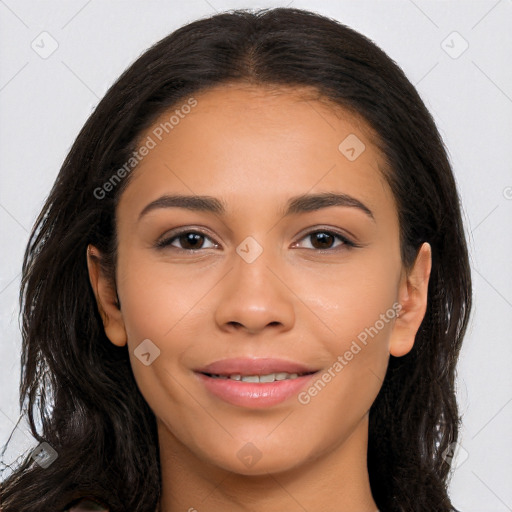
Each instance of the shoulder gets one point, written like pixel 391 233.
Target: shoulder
pixel 86 505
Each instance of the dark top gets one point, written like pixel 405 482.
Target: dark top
pixel 86 505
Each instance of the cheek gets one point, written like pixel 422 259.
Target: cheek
pixel 156 306
pixel 357 306
pixel 164 304
pixel 157 297
pixel 358 310
pixel 350 299
pixel 358 347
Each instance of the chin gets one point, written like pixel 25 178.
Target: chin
pixel 251 461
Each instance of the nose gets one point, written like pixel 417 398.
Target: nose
pixel 256 296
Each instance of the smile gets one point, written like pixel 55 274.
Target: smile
pixel 271 377
pixel 254 391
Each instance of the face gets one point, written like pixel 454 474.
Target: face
pixel 285 280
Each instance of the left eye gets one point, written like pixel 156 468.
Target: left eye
pixel 326 239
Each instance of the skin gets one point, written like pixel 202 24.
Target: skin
pixel 254 148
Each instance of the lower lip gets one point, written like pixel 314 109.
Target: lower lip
pixel 254 395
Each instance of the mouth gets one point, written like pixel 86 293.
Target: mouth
pixel 254 383
pixel 269 377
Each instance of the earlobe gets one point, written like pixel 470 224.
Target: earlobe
pixel 413 297
pixel 106 299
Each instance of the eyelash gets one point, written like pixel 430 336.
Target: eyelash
pixel 346 243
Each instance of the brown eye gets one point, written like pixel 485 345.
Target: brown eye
pixel 186 241
pixel 327 240
pixel 322 240
pixel 191 240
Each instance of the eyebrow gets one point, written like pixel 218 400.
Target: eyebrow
pixel 295 205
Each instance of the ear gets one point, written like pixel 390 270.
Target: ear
pixel 106 298
pixel 412 296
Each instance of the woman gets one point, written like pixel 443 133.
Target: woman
pixel 249 285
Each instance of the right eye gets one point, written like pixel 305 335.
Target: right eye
pixel 189 240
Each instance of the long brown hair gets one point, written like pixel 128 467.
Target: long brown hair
pixel 101 427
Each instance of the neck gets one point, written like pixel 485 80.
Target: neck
pixel 337 481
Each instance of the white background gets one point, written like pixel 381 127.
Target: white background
pixel 45 101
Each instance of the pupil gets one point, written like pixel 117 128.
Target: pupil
pixel 323 238
pixel 191 239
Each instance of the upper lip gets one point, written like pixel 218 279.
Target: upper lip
pixel 255 366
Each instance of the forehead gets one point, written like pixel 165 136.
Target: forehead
pixel 254 142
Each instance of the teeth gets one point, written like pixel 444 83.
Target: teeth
pixel 271 377
pixel 250 378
